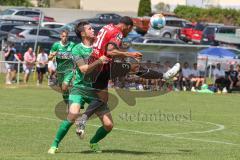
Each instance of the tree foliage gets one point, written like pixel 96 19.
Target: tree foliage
pixel 213 14
pixel 144 8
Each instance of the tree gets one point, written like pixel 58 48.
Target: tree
pixel 144 8
pixel 16 3
pixel 162 7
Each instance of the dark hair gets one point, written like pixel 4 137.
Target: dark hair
pixel 126 20
pixel 80 28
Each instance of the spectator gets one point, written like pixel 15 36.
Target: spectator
pixel 238 70
pixel 10 55
pixel 196 79
pixel 42 60
pixel 52 65
pixel 29 59
pixel 232 77
pixel 219 78
pixel 186 77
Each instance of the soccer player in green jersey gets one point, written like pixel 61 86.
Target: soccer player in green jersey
pixel 81 90
pixel 61 50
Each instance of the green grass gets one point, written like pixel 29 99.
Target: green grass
pixel 28 125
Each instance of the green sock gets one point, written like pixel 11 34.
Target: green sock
pixel 65 96
pixel 62 131
pixel 99 135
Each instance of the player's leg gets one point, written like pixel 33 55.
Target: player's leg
pixel 107 126
pixel 96 102
pixel 74 109
pixel 65 85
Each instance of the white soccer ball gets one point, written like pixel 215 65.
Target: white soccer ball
pixel 157 21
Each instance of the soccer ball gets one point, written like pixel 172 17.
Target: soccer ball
pixel 157 21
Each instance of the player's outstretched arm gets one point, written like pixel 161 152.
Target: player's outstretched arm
pixel 113 52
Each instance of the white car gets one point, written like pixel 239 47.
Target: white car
pixel 52 25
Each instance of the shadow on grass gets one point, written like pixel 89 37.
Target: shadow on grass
pixel 119 151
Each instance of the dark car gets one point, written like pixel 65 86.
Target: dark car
pixel 97 22
pixel 7 26
pixel 3 37
pixel 208 36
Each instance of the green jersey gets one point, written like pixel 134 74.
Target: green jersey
pixel 63 56
pixel 81 53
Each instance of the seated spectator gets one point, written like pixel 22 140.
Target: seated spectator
pixel 219 79
pixel 238 70
pixel 186 77
pixel 29 59
pixel 232 77
pixel 42 60
pixel 196 79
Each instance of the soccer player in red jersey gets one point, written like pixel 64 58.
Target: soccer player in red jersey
pixel 108 42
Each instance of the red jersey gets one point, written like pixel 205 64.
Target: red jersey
pixel 109 34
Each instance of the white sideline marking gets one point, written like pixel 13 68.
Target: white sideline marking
pixel 220 127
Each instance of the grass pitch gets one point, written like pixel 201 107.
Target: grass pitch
pixel 174 126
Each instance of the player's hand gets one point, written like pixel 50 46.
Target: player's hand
pixel 104 59
pixel 135 54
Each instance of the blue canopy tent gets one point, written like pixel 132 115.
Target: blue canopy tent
pixel 217 52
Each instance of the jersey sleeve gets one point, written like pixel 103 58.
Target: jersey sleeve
pixel 116 39
pixel 54 48
pixel 77 55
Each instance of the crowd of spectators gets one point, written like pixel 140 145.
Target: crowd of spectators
pixel 28 63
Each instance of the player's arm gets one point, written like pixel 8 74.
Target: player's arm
pixel 114 52
pixel 53 52
pixel 87 68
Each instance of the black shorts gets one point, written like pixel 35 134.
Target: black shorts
pixel 102 80
pixel 41 70
pixel 111 71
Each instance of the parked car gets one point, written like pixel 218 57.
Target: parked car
pixel 198 30
pixel 186 32
pixel 7 26
pixel 208 36
pixel 170 30
pixel 3 37
pixel 52 25
pixel 17 19
pixel 131 36
pixel 30 32
pixel 71 26
pixel 28 12
pixel 157 40
pixel 141 24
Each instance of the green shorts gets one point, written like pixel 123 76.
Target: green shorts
pixel 80 95
pixel 65 77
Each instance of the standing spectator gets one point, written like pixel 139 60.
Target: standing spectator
pixel 29 59
pixel 232 77
pixel 42 61
pixel 52 66
pixel 186 76
pixel 219 78
pixel 10 55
